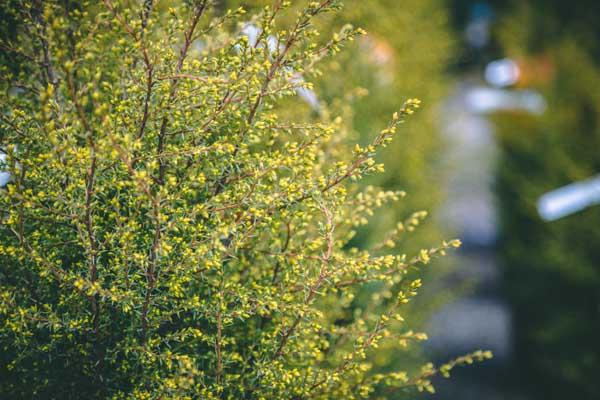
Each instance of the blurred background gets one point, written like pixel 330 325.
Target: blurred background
pixel 520 129
pixel 505 156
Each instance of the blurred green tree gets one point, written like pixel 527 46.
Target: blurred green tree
pixel 552 269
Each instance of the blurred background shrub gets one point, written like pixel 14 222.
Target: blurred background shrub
pixel 552 271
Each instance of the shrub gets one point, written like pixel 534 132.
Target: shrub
pixel 166 234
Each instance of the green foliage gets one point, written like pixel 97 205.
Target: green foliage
pixel 552 272
pixel 404 55
pixel 168 232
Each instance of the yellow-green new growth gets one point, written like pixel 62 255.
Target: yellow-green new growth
pixel 168 233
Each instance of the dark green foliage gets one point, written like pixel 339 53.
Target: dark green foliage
pixel 553 269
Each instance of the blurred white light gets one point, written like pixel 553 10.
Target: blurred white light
pixel 252 32
pixel 5 176
pixel 485 100
pixel 569 199
pixel 502 73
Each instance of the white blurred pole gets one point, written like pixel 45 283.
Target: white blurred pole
pixel 569 199
pixel 486 100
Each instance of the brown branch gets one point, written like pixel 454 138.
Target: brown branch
pixel 219 370
pixel 8 49
pixel 314 288
pixel 13 126
pixel 40 25
pixel 151 271
pixel 283 250
pixel 90 179
pixel 192 77
pixel 340 369
pixel 198 11
pixel 149 86
pixel 275 66
pixel 149 67
pixel 120 18
pixel 229 96
pixel 146 10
